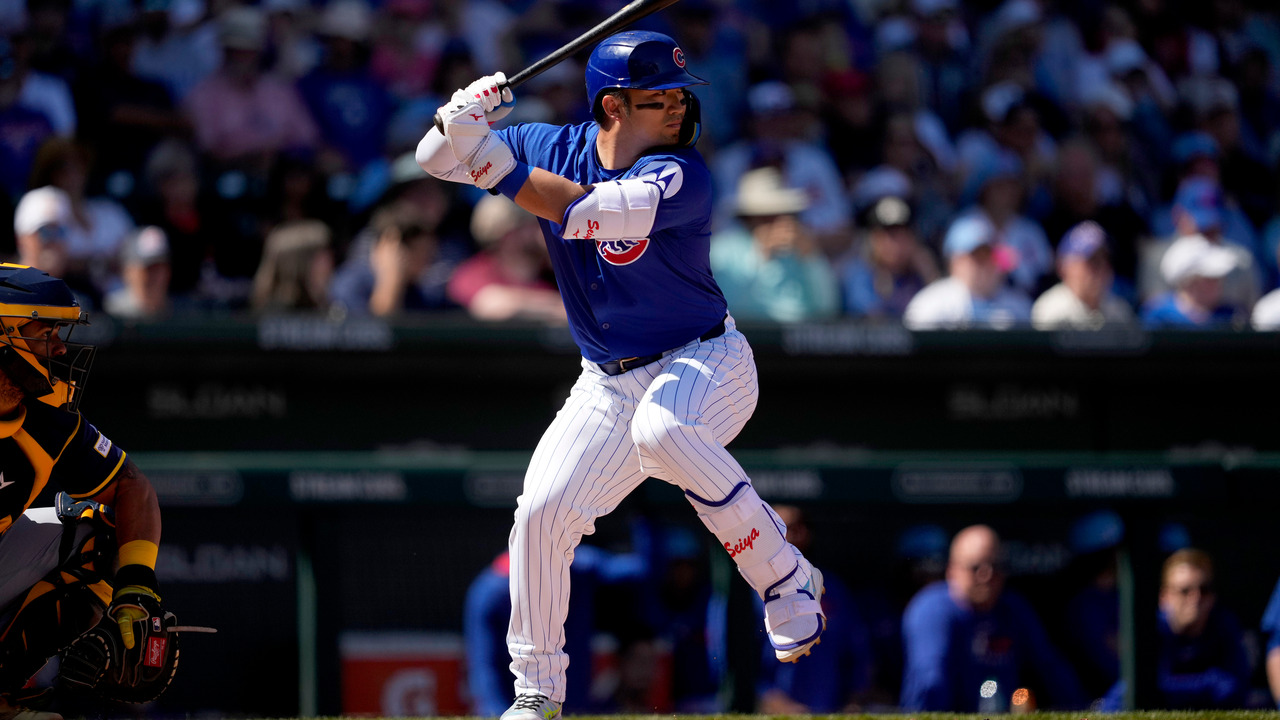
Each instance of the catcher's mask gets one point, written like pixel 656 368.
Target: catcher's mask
pixel 38 312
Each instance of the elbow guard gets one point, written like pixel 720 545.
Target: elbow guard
pixel 615 210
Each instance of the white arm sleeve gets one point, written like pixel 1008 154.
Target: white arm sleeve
pixel 436 157
pixel 615 210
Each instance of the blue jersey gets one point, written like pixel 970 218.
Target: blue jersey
pixel 635 297
pixel 952 651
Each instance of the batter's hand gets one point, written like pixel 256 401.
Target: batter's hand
pixel 493 95
pixel 473 142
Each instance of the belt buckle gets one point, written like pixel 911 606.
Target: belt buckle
pixel 622 364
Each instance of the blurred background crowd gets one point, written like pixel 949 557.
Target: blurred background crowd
pixel 949 164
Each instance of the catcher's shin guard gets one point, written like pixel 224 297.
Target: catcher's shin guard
pixel 66 602
pixel 755 537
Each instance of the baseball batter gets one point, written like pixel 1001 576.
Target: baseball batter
pixel 667 380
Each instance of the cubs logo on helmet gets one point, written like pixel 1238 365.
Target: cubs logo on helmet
pixel 622 252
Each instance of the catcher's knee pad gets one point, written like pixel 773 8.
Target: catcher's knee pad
pixel 755 537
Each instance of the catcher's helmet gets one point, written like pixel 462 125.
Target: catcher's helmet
pixel 643 60
pixel 28 294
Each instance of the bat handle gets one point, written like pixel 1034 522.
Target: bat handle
pixel 509 84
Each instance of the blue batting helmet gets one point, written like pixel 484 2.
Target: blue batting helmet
pixel 636 59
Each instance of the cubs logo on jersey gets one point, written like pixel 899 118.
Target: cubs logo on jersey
pixel 622 252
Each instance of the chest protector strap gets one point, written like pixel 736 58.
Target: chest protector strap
pixel 614 210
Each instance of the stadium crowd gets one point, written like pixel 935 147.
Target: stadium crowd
pixel 989 163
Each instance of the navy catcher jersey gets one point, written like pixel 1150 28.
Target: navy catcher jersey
pixel 628 298
pixel 39 444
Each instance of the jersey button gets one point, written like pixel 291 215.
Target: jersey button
pixel 594 286
pixel 605 326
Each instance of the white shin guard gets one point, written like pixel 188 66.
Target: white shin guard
pixel 755 537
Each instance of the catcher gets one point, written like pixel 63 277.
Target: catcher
pixel 61 567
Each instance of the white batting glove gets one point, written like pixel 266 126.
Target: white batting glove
pixel 474 143
pixel 494 97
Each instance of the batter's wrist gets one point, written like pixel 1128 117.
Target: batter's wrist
pixel 514 180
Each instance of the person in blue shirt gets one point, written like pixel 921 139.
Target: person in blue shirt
pixel 1202 662
pixel 970 642
pixel 837 677
pixel 1271 627
pixel 487 611
pixel 1194 267
pixel 624 204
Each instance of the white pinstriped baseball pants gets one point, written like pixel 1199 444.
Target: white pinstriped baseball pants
pixel 671 420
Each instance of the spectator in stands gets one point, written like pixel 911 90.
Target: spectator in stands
pixel 391 271
pixel 1194 268
pixel 770 266
pixel 1080 194
pixel 1012 129
pixel 211 258
pixel 40 230
pixel 296 268
pixel 1271 628
pixel 1215 106
pixel 836 676
pixel 995 190
pixel 44 92
pixel 179 46
pixel 406 49
pixel 889 266
pixel 144 276
pixel 1202 656
pixel 242 117
pixel 292 48
pixel 98 225
pixel 777 137
pixel 944 68
pixel 351 108
pixel 511 276
pixel 1266 312
pixel 1200 208
pixel 22 130
pixel 969 630
pixel 974 294
pixel 128 115
pixel 1083 300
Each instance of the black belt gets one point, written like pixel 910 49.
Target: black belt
pixel 617 367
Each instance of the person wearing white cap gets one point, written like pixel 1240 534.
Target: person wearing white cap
pixel 40 230
pixel 1083 300
pixel 1194 268
pixel 144 272
pixel 974 295
pixel 769 266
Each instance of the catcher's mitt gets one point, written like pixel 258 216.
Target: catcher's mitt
pixel 100 662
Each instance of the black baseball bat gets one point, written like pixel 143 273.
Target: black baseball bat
pixel 631 12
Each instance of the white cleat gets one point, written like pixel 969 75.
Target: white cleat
pixel 532 707
pixel 802 622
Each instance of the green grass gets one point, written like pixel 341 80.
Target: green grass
pixel 1083 715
